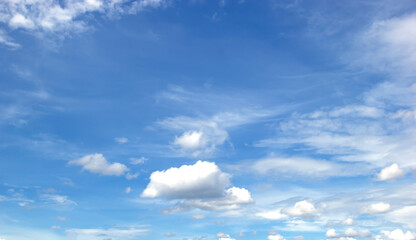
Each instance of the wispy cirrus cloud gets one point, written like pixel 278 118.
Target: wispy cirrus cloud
pixel 116 233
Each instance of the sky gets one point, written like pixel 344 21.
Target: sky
pixel 207 120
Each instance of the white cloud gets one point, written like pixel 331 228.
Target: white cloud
pixel 348 222
pixel 275 214
pixel 199 136
pixel 57 199
pixel 390 173
pixel 275 236
pixel 201 180
pixel 223 236
pixel 397 234
pixel 189 140
pixel 128 190
pixel 389 45
pixel 303 167
pixel 405 215
pixel 96 163
pixel 136 161
pixel 202 185
pixel 331 233
pixel 199 216
pixel 54 16
pixel 302 209
pixel 18 20
pixel 202 135
pixel 232 199
pixel 7 41
pixel 377 208
pixel 111 233
pixel 130 176
pixel 349 234
pixel 121 140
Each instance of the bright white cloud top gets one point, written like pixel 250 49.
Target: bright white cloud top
pixel 96 163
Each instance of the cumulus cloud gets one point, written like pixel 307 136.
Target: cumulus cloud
pixel 397 234
pixel 349 233
pixel 275 236
pixel 377 208
pixel 202 135
pixel 348 222
pixel 202 185
pixel 223 236
pixel 302 209
pixel 96 163
pixel 390 173
pixel 189 140
pixel 198 136
pixel 232 199
pixel 111 233
pixel 201 180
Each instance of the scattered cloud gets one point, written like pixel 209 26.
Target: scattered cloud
pixel 199 216
pixel 136 161
pixel 55 17
pixel 390 173
pixel 349 233
pixel 377 208
pixel 7 41
pixel 405 215
pixel 397 234
pixel 202 185
pixel 169 234
pixel 199 136
pixel 128 190
pixel 96 163
pixel 121 140
pixel 275 236
pixel 130 176
pixel 189 140
pixel 57 199
pixel 201 180
pixel 111 233
pixel 224 236
pixel 302 209
pixel 302 167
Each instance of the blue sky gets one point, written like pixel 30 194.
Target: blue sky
pixel 207 120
